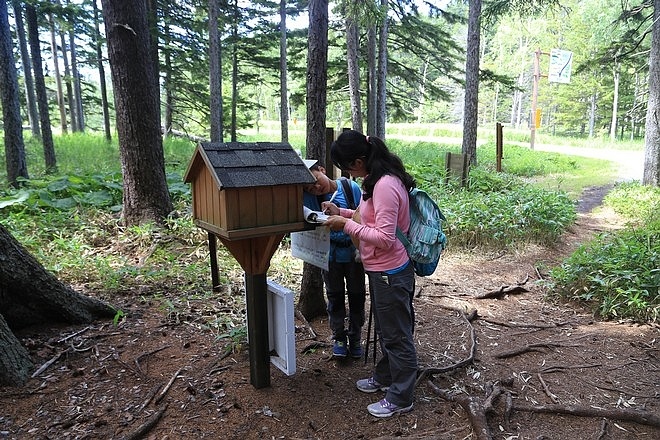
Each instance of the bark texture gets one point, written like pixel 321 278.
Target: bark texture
pixel 652 135
pixel 40 87
pixel 9 97
pixel 311 303
pixel 30 295
pixel 471 110
pixel 146 196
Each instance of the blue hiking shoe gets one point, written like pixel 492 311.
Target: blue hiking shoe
pixel 339 350
pixel 355 350
pixel 384 408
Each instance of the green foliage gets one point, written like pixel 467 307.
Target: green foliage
pixel 70 222
pixel 496 209
pixel 635 202
pixel 618 273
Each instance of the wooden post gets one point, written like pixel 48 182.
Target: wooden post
pixel 257 320
pixel 213 251
pixel 499 139
pixel 535 95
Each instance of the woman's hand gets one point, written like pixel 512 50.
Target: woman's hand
pixel 336 222
pixel 329 208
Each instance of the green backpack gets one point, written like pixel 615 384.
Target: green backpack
pixel 425 240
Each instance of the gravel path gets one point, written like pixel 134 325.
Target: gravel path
pixel 631 163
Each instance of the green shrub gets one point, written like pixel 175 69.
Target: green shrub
pixel 618 273
pixel 635 202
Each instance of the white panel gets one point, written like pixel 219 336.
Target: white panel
pixel 281 328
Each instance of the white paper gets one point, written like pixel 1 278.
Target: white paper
pixel 317 217
pixel 312 246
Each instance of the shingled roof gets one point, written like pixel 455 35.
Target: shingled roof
pixel 249 164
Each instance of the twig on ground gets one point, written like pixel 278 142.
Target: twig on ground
pixel 637 416
pixel 150 396
pixel 147 426
pixel 66 338
pixel 143 355
pixel 547 390
pixel 49 363
pixel 603 430
pixel 555 368
pixel 539 346
pixel 513 324
pixel 473 339
pixel 167 387
pixel 504 290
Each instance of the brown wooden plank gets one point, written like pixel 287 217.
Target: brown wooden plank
pixel 248 208
pixel 267 208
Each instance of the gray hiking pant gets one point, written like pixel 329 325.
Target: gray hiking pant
pixel 391 297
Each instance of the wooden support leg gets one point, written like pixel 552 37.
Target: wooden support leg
pixel 257 320
pixel 213 250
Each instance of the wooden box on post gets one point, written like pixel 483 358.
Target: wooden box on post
pixel 243 190
pixel 249 195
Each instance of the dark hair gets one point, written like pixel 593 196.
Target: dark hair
pixel 379 161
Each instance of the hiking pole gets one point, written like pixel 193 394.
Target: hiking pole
pixel 366 350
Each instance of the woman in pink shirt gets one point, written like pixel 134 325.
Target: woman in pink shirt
pixel 383 208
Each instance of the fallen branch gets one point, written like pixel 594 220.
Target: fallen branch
pixel 167 387
pixel 513 324
pixel 66 338
pixel 504 290
pixel 641 417
pixel 547 390
pixel 150 396
pixel 48 363
pixel 143 355
pixel 147 426
pixel 473 339
pixel 527 348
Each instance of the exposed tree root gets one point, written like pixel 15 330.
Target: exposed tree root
pixel 627 415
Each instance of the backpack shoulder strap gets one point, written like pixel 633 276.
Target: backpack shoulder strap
pixel 348 192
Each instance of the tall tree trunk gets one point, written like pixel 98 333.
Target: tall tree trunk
pixel 234 71
pixel 381 105
pixel 40 86
pixel 11 109
pixel 146 195
pixel 215 74
pixel 592 114
pixel 68 84
pixel 284 90
pixel 102 84
pixel 77 89
pixel 372 80
pixel 311 303
pixel 471 107
pixel 353 73
pixel 30 295
pixel 58 77
pixel 652 135
pixel 615 102
pixel 30 97
pixel 167 78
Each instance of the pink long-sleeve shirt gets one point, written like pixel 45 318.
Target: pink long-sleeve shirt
pixel 380 249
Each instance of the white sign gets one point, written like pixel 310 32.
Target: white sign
pixel 560 66
pixel 281 328
pixel 312 246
